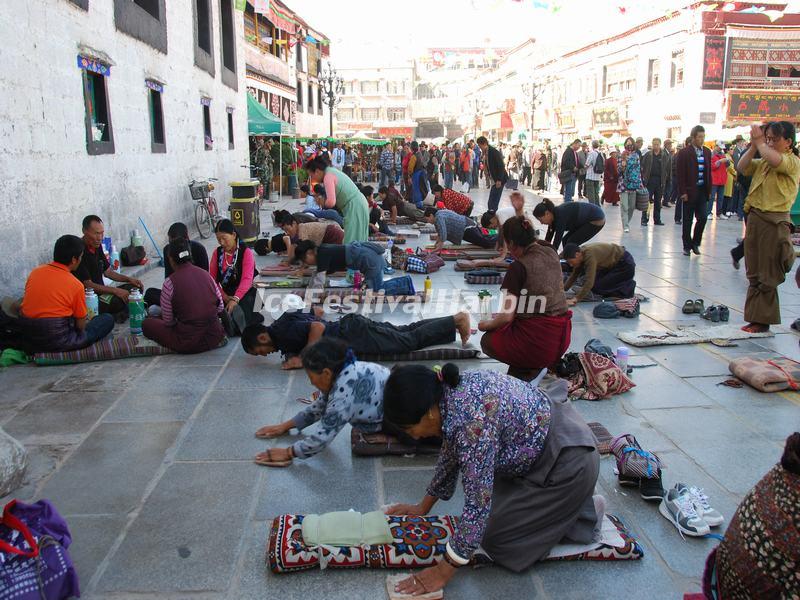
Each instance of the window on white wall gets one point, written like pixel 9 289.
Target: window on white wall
pixel 208 141
pixel 230 129
pixel 158 141
pixel 676 78
pixel 653 74
pixel 97 120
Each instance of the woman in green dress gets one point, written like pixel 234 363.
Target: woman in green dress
pixel 341 192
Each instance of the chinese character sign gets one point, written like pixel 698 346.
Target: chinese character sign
pixel 759 107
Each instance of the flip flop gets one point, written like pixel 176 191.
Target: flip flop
pixel 688 307
pixel 268 461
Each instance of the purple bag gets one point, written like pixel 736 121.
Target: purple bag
pixel 34 562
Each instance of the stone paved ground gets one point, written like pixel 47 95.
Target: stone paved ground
pixel 149 459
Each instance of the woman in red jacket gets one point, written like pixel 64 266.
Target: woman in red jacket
pixel 611 179
pixel 719 177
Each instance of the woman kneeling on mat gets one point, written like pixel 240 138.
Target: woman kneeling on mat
pixel 528 465
pixel 351 391
pixel 190 305
pixel 575 222
pixel 366 257
pixel 534 327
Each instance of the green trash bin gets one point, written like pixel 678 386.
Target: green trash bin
pixel 795 214
pixel 244 210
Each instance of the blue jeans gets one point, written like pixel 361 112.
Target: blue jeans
pixel 448 180
pixel 494 196
pixel 718 194
pixel 327 213
pixel 386 177
pixel 98 328
pixel 569 190
pixel 737 204
pixel 367 257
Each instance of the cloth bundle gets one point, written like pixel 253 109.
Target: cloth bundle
pixel 34 561
pixel 773 375
pixel 424 262
pixel 632 460
pixel 592 376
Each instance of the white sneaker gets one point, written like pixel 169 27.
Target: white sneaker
pixel 724 216
pixel 678 508
pixel 710 515
pixel 627 230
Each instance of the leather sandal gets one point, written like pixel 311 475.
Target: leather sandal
pixel 688 307
pixel 699 306
pixel 267 459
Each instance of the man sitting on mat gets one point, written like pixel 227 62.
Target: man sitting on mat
pixel 296 330
pixel 455 228
pixel 608 270
pixel 53 315
pixel 392 201
pixel 94 266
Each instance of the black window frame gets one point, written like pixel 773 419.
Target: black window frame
pixel 207 130
pixel 300 97
pixel 83 4
pixel 96 148
pixel 203 59
pixel 156 118
pixel 310 98
pixel 231 141
pixel 319 100
pixel 140 24
pixel 227 43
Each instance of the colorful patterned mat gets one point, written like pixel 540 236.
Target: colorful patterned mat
pixel 419 541
pixel 124 346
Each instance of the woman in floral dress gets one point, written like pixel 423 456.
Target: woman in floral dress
pixel 527 461
pixel 630 181
pixel 351 391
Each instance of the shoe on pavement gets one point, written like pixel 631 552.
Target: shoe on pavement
pixel 711 314
pixel 735 262
pixel 677 507
pixel 678 223
pixel 628 480
pixel 651 489
pixel 702 506
pixel 696 249
pixel 687 252
pixel 627 230
pixel 658 223
pixel 724 313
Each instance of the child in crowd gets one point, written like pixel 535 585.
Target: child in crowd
pixel 315 204
pixel 351 391
pixel 376 223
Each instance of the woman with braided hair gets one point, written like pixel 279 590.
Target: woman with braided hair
pixel 534 327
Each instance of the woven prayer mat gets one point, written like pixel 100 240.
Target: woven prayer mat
pixel 603 437
pixel 716 334
pixel 463 264
pixel 384 239
pixel 773 375
pixel 383 444
pixel 485 277
pixel 453 351
pixel 419 541
pixel 123 346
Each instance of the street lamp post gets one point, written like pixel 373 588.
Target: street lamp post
pixel 332 88
pixel 532 92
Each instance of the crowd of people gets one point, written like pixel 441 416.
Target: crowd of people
pixel 527 459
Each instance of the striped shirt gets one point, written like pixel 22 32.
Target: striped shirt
pixel 450 226
pixel 701 166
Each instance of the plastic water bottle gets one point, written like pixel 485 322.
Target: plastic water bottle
pixel 92 304
pixel 357 280
pixel 622 358
pixel 136 311
pixel 428 286
pixel 387 256
pixel 115 264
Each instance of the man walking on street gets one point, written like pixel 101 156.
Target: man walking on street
pixel 496 169
pixel 582 154
pixel 569 170
pixel 656 171
pixel 527 171
pixel 694 188
pixel 594 173
pixel 337 159
pixel 387 164
pixel 476 164
pixel 669 192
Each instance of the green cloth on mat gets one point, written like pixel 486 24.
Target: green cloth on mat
pixel 346 528
pixel 10 356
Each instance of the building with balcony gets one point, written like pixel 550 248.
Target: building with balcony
pixel 376 102
pixel 696 65
pixel 442 78
pixel 283 59
pixel 111 107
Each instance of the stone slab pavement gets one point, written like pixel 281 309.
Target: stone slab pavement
pixel 150 459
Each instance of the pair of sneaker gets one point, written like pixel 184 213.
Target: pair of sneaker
pixel 689 509
pixel 650 489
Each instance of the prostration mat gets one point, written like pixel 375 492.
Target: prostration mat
pixel 715 334
pixel 452 351
pixel 122 346
pixel 419 541
pixel 384 444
